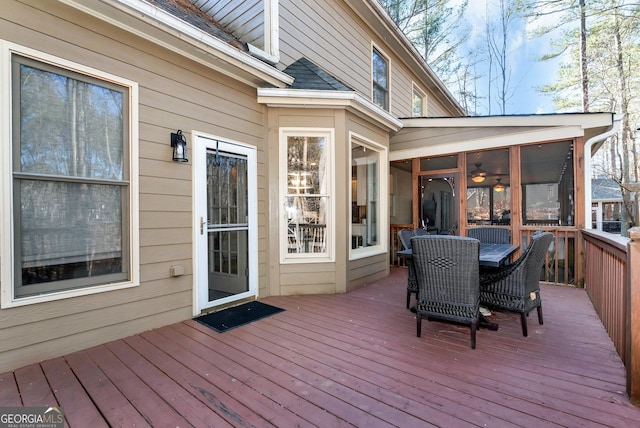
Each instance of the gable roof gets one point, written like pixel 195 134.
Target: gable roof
pixel 309 76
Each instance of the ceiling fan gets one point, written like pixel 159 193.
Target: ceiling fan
pixel 479 175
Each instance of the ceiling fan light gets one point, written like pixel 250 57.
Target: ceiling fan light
pixel 499 187
pixel 478 175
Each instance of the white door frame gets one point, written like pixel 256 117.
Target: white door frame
pixel 202 142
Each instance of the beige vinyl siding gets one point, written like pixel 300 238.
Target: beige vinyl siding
pixel 330 36
pixel 336 39
pixel 245 19
pixel 313 277
pixel 174 93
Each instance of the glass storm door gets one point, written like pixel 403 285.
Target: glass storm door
pixel 226 229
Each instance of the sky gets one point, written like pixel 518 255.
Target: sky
pixel 527 73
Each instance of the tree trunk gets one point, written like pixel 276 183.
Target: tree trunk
pixel 583 57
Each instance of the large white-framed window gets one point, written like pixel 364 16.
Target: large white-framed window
pixel 369 197
pixel 418 102
pixel 307 193
pixel 69 186
pixel 380 78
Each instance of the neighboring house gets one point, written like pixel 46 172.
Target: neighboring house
pixel 606 205
pixel 291 112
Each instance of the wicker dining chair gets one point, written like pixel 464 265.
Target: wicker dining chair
pixel 516 287
pixel 490 235
pixel 447 272
pixel 405 236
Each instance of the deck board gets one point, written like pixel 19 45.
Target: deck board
pixel 345 360
pixel 68 389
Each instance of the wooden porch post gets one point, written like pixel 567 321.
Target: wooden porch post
pixel 633 318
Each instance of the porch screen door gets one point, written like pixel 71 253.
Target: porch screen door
pixel 227 228
pixel 438 209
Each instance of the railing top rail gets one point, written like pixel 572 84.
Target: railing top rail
pixel 615 244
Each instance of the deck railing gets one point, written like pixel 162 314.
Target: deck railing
pixel 612 281
pixel 560 259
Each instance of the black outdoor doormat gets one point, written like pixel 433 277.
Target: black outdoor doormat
pixel 229 318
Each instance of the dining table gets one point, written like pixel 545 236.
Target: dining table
pixel 493 255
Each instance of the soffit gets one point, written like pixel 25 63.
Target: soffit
pixel 482 136
pixel 432 136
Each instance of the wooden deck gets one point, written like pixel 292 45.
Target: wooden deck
pixel 344 360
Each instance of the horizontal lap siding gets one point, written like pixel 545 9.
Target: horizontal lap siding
pixel 245 19
pixel 332 36
pixel 173 94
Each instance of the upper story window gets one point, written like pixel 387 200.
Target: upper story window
pixel 368 197
pixel 306 160
pixel 419 102
pixel 380 78
pixel 70 177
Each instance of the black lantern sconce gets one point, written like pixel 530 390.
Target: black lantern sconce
pixel 179 145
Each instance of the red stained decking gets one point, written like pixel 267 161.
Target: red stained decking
pixel 344 360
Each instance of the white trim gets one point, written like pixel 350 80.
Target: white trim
pixel 388 59
pixel 582 120
pixel 423 94
pixel 615 127
pixel 350 100
pixel 329 135
pixel 271 38
pixel 377 18
pixel 477 144
pixel 200 143
pixel 182 38
pixel 7 299
pixel 383 194
pixel 272 29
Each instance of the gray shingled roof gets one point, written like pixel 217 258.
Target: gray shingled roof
pixel 189 13
pixel 310 76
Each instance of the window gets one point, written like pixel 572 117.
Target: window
pixel 548 184
pixel 419 105
pixel 488 187
pixel 70 180
pixel 368 220
pixel 380 78
pixel 306 158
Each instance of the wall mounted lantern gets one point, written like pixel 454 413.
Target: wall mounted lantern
pixel 179 145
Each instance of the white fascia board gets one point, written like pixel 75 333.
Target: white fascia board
pixel 174 34
pixel 351 100
pixel 584 120
pixel 485 143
